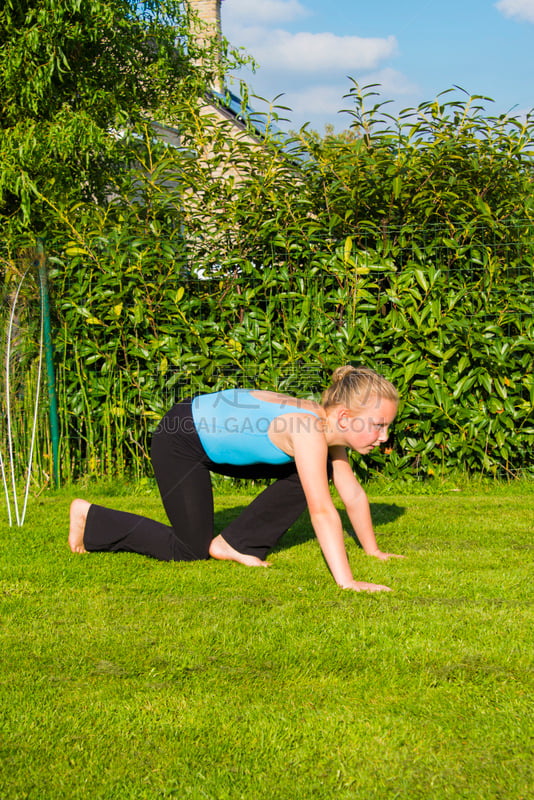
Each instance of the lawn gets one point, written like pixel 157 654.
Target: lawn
pixel 122 677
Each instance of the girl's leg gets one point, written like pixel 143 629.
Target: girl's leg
pixel 113 531
pixel 268 517
pixel 185 486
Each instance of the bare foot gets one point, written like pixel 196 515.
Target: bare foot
pixel 78 515
pixel 222 551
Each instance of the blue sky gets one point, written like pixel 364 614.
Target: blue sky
pixel 415 49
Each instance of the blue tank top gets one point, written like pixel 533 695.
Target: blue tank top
pixel 232 426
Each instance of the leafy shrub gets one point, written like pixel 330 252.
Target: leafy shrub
pixel 225 262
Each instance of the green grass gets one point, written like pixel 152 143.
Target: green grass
pixel 122 677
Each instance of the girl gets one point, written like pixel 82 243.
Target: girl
pixel 255 434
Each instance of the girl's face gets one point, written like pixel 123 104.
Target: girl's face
pixel 368 426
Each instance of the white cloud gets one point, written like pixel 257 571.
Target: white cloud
pixel 314 52
pixel 391 82
pixel 262 11
pixel 330 100
pixel 323 99
pixel 318 103
pixel 522 9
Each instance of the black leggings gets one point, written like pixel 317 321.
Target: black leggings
pixel 182 471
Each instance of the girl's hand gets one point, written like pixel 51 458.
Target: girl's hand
pixel 360 586
pixel 384 556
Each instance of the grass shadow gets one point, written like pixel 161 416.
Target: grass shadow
pixel 301 531
pixel 381 514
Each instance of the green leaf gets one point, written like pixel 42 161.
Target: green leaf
pixel 421 279
pixel 485 380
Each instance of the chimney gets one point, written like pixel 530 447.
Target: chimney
pixel 209 14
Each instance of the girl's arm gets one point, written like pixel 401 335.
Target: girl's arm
pixel 311 452
pixel 356 503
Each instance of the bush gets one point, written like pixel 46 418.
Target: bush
pixel 223 262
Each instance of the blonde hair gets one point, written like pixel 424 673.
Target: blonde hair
pixel 353 386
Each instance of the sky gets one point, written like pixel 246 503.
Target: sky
pixel 308 50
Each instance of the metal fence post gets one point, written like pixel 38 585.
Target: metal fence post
pixel 40 262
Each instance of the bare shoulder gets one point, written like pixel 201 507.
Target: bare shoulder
pixel 294 427
pixel 296 403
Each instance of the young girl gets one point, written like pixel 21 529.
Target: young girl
pixel 255 434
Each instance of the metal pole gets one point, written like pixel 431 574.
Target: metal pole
pixel 40 262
